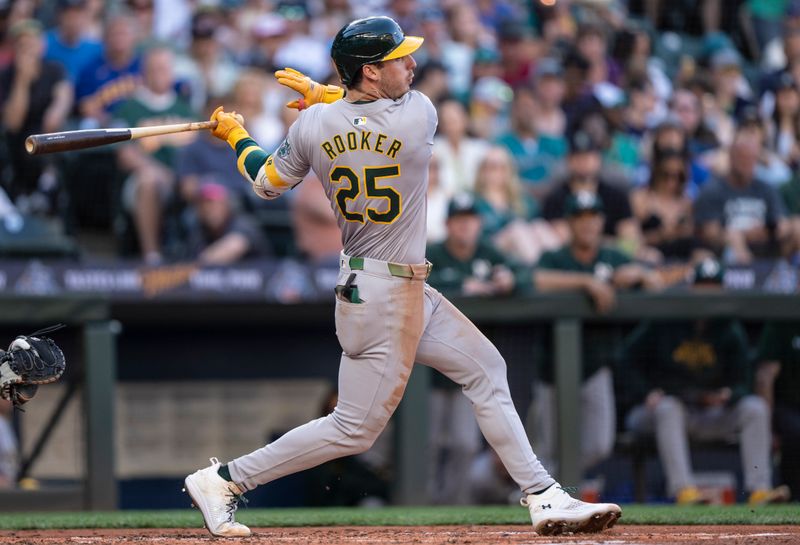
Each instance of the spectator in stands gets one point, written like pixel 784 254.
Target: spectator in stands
pixel 517 46
pixel 669 137
pixel 316 232
pixel 728 85
pixel 431 80
pixel 688 111
pixel 222 236
pixel 467 34
pixel 631 120
pixel 550 123
pixel 437 204
pixel 268 33
pixel 592 43
pixel 585 265
pixel 486 63
pixel 500 197
pixel 144 11
pixel 741 215
pixel 632 51
pixel 70 43
pixel 303 51
pixel 206 70
pixel 784 128
pixel 151 161
pixel 791 198
pixel 692 380
pixel 770 168
pixel 710 12
pixel 36 97
pixel 583 175
pixel 208 159
pixel 248 99
pixel 112 78
pixel 9 450
pixel 458 153
pixel 440 49
pixel 663 209
pixel 535 156
pixel 778 381
pixel 508 213
pixel 488 107
pixel 463 263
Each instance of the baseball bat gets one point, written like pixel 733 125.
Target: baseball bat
pixel 37 144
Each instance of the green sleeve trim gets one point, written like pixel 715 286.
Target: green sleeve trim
pixel 255 161
pixel 243 144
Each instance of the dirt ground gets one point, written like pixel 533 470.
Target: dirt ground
pixel 420 535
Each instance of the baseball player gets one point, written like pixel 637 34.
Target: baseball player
pixel 370 144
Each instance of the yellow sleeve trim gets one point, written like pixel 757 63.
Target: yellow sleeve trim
pixel 242 157
pixel 272 175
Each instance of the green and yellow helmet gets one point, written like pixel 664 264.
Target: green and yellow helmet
pixel 367 41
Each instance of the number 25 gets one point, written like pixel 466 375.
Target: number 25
pixel 373 191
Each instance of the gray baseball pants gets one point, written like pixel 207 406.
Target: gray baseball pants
pixel 673 423
pixel 400 321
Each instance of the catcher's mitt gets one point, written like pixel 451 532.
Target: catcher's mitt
pixel 29 361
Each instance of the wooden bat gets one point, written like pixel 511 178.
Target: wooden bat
pixel 37 144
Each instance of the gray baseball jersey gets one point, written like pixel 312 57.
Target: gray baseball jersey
pixel 372 159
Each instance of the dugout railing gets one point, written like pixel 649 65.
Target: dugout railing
pixel 169 338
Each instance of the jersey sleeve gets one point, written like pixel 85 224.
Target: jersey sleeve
pixel 432 117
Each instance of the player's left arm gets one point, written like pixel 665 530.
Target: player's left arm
pixel 255 164
pixel 313 92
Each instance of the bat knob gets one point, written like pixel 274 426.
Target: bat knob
pixel 30 145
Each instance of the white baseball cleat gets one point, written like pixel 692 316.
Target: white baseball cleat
pixel 554 512
pixel 217 499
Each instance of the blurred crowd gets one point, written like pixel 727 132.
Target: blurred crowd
pixel 683 120
pixel 583 145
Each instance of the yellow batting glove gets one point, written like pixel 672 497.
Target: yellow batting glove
pixel 229 126
pixel 312 91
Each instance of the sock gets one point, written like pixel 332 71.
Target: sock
pixel 534 493
pixel 224 473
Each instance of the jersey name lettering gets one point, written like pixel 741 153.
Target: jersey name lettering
pixel 363 141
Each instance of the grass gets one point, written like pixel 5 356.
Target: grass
pixel 394 516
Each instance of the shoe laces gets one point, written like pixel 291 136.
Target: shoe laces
pixel 234 498
pixel 233 503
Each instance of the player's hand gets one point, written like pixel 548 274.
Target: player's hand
pixel 228 124
pixel 313 92
pixel 602 294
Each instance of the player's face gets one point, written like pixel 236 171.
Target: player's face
pixel 396 76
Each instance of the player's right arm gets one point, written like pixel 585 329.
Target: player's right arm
pixel 255 164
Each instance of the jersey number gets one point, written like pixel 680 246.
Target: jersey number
pixel 373 191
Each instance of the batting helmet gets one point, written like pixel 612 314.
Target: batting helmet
pixel 367 41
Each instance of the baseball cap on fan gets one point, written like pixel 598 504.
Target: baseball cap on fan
pixel 461 204
pixel 583 201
